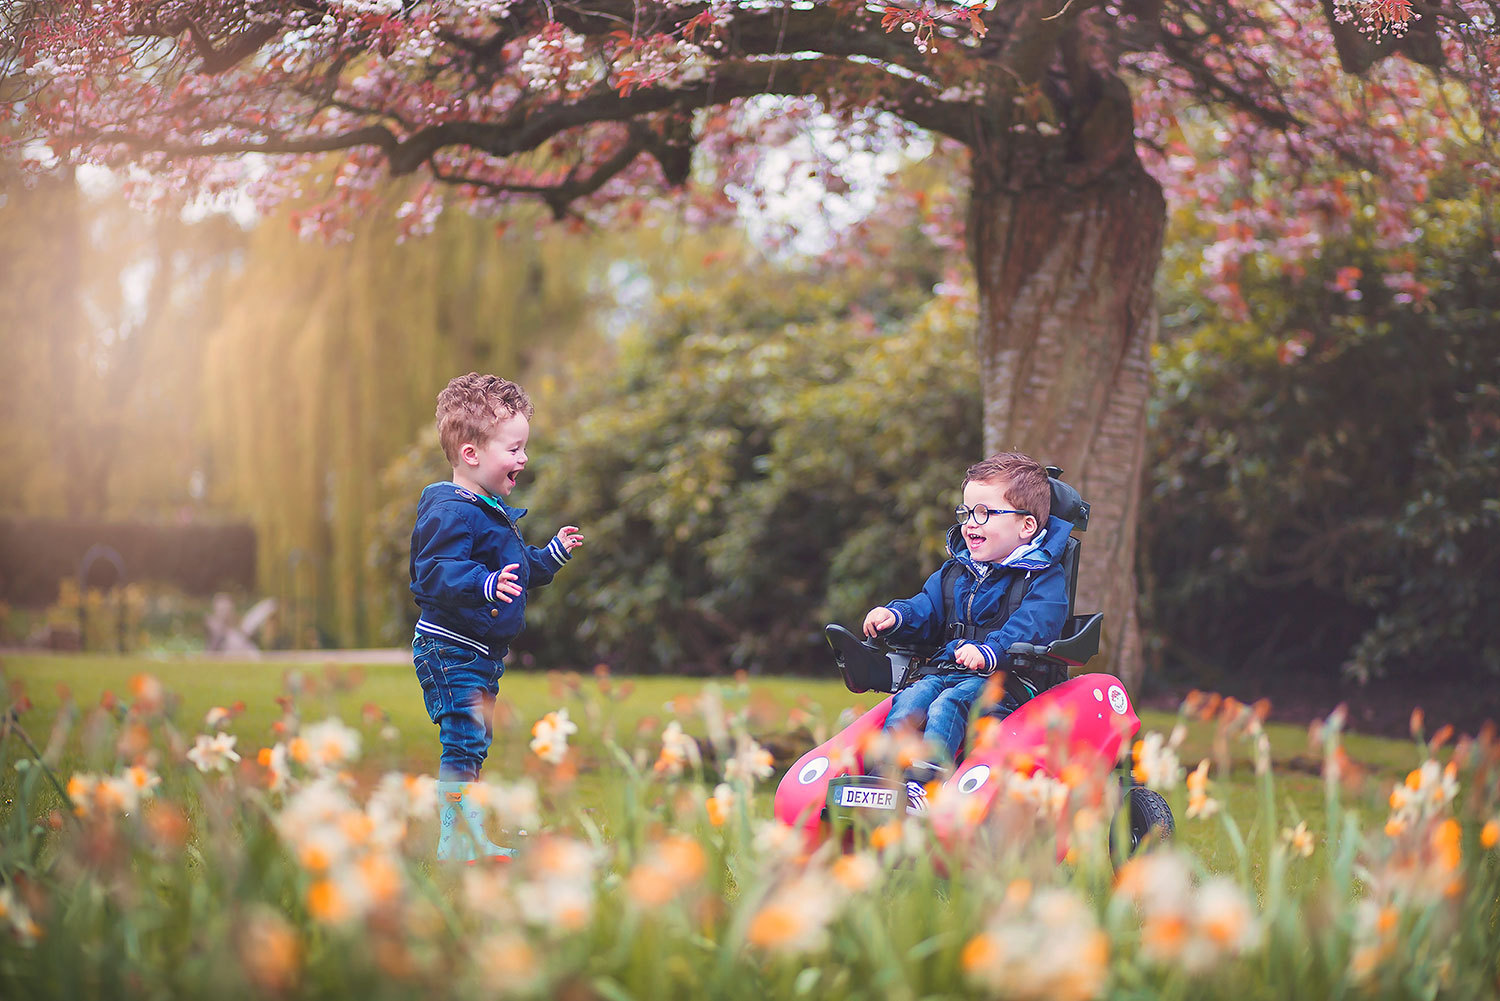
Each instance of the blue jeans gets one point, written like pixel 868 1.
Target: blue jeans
pixel 459 687
pixel 943 700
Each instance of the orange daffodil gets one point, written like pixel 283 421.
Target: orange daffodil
pixel 777 843
pixel 509 964
pixel 549 736
pixel 106 795
pixel 317 750
pixel 672 867
pixel 719 804
pixel 213 753
pixel 1045 946
pixel 793 918
pixel 352 854
pixel 678 751
pixel 1200 803
pixel 1489 834
pixel 325 746
pixel 1192 925
pixel 1427 790
pixel 750 763
pixel 556 893
pixel 794 913
pixel 1375 938
pixel 1299 841
pixel 1154 759
pixel 15 914
pixel 270 950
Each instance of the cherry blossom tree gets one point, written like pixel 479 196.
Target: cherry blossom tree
pixel 1061 106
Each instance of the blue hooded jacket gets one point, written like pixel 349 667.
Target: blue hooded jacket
pixel 458 547
pixel 979 594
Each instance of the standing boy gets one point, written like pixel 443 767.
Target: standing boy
pixel 470 570
pixel 1003 584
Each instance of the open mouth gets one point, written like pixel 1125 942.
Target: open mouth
pixel 974 540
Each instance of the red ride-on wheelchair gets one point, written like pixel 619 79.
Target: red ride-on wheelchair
pixel 1083 721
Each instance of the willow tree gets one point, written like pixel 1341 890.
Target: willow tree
pixel 583 104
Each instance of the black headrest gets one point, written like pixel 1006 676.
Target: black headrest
pixel 1066 502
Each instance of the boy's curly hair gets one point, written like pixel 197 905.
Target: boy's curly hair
pixel 1023 478
pixel 471 405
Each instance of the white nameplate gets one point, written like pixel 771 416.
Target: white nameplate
pixel 871 798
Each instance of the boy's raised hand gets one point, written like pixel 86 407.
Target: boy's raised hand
pixel 570 537
pixel 508 585
pixel 968 655
pixel 878 620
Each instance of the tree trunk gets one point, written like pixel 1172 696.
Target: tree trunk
pixel 1065 269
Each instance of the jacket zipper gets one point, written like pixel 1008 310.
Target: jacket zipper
pixel 969 609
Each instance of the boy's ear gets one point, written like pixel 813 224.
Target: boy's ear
pixel 468 454
pixel 1036 527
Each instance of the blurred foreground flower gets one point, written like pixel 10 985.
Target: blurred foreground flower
pixel 672 866
pixel 750 763
pixel 1154 761
pixel 549 736
pixel 1046 947
pixel 1427 791
pixel 558 892
pixel 719 804
pixel 516 805
pixel 678 750
pixel 121 794
pixel 270 951
pixel 15 914
pixel 794 918
pixel 213 753
pixel 508 964
pixel 325 746
pixel 1192 927
pixel 1200 803
pixel 1299 840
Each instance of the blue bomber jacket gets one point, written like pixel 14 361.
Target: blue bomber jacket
pixel 979 596
pixel 460 544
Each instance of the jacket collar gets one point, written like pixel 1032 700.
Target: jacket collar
pixel 1034 556
pixel 449 489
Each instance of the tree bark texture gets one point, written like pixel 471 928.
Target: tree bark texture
pixel 1065 271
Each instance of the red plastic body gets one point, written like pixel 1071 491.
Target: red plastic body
pixel 1083 722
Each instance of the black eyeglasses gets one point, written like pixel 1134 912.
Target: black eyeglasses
pixel 981 514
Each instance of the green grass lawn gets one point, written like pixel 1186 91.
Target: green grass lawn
pixel 631 711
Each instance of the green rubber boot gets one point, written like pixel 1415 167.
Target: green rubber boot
pixel 461 836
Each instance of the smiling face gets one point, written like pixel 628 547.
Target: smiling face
pixel 493 466
pixel 998 537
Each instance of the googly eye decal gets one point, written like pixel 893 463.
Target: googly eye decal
pixel 812 771
pixel 972 779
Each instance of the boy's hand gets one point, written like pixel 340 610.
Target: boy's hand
pixel 570 537
pixel 879 620
pixel 509 584
pixel 968 655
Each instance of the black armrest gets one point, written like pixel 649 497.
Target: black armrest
pixel 1080 642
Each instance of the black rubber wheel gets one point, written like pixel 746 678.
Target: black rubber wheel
pixel 1150 818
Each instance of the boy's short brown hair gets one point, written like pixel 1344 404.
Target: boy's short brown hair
pixel 471 405
pixel 1023 478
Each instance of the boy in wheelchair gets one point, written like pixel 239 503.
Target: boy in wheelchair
pixel 1004 583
